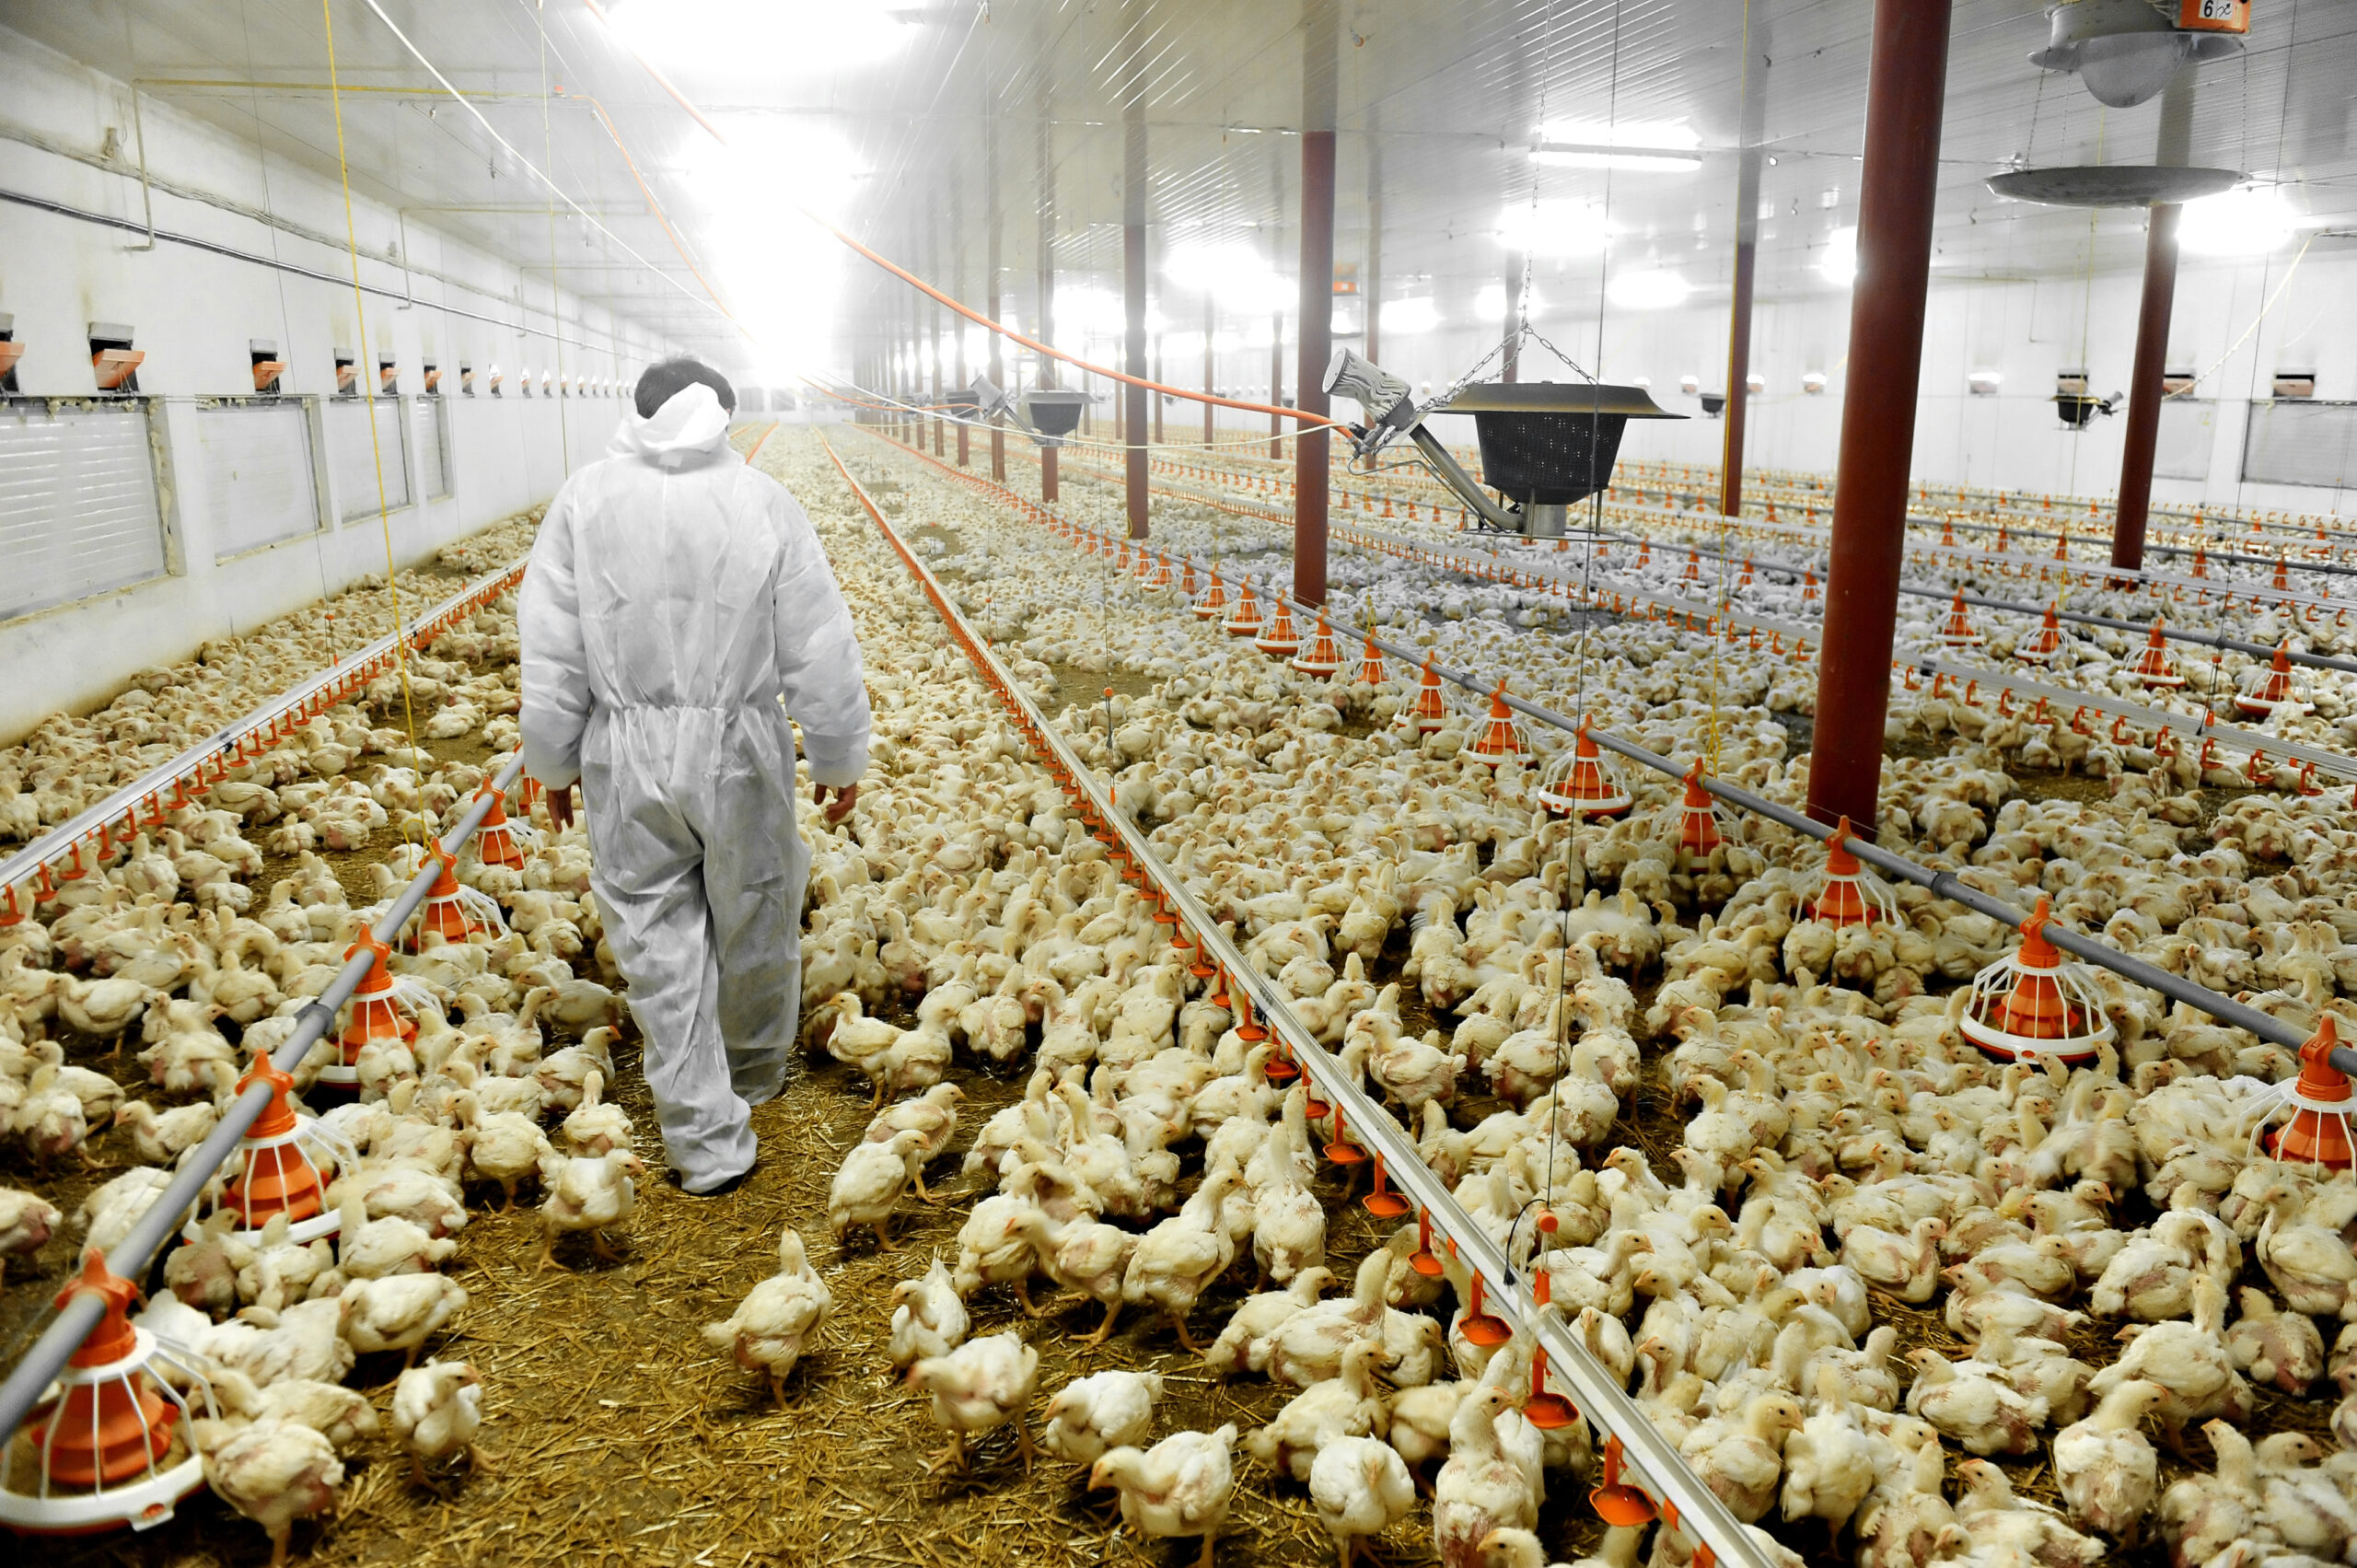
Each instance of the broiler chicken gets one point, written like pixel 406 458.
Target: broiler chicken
pixel 928 1318
pixel 773 1326
pixel 1103 1410
pixel 2106 1471
pixel 1360 1488
pixel 437 1411
pixel 1180 1487
pixel 274 1471
pixel 400 1312
pixel 982 1385
pixel 589 1194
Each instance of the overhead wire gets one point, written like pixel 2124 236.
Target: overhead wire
pixel 411 821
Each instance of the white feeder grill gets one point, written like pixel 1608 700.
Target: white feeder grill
pixel 399 995
pixel 2030 1005
pixel 1852 894
pixel 1501 735
pixel 1956 630
pixel 461 909
pixel 2041 646
pixel 143 1503
pixel 2273 692
pixel 327 1154
pixel 1212 601
pixel 2317 1112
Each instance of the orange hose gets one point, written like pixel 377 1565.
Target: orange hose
pixel 652 204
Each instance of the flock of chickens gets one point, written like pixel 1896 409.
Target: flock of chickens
pixel 1840 1165
pixel 1839 1143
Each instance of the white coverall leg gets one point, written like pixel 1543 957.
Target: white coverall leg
pixel 673 596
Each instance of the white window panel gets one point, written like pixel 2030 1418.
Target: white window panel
pixel 352 459
pixel 433 447
pixel 258 474
pixel 2300 442
pixel 2183 449
pixel 79 513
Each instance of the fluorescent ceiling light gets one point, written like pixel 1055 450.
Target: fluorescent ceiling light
pixel 2246 221
pixel 1840 262
pixel 1404 318
pixel 1233 272
pixel 1553 227
pixel 1659 146
pixel 1650 289
pixel 1489 304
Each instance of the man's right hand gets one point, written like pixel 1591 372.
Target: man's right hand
pixel 561 807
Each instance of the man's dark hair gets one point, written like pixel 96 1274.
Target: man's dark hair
pixel 658 382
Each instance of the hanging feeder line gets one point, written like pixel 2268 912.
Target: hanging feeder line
pixel 1941 884
pixel 136 1254
pixel 115 820
pixel 1492 564
pixel 1646 1452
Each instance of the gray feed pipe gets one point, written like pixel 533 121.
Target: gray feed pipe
pixel 136 1254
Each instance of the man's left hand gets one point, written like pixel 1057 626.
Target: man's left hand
pixel 846 797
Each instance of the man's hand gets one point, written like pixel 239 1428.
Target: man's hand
pixel 846 797
pixel 561 807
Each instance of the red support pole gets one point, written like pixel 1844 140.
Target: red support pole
pixel 2145 391
pixel 1906 88
pixel 1134 424
pixel 1310 472
pixel 1277 380
pixel 1210 365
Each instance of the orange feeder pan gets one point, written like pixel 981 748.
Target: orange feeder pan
pixel 1246 622
pixel 1956 629
pixel 2030 1005
pixel 1699 830
pixel 453 911
pixel 2318 1130
pixel 2153 667
pixel 1215 600
pixel 282 1166
pixel 1430 710
pixel 1479 1325
pixel 1851 897
pixel 1583 785
pixel 102 1454
pixel 1616 1502
pixel 2040 645
pixel 1501 735
pixel 1279 640
pixel 381 1008
pixel 2272 693
pixel 1371 670
pixel 1323 658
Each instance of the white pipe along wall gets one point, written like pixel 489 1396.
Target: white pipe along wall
pixel 67 138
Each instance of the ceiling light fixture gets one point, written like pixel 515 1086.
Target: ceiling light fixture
pixel 1652 289
pixel 2246 221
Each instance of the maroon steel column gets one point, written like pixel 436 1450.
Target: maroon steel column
pixel 1738 388
pixel 1316 331
pixel 1906 88
pixel 936 420
pixel 1159 401
pixel 2144 392
pixel 1134 424
pixel 1511 368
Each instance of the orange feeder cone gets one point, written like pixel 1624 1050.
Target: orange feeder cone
pixel 1279 640
pixel 452 910
pixel 1808 586
pixel 2153 667
pixel 1693 572
pixel 1246 622
pixel 1501 735
pixel 1161 575
pixel 1850 897
pixel 1429 712
pixel 1215 600
pixel 1581 783
pixel 2272 693
pixel 1698 818
pixel 2317 1131
pixel 1956 630
pixel 1323 658
pixel 497 841
pixel 380 1008
pixel 2031 1004
pixel 2039 646
pixel 276 1172
pixel 1371 670
pixel 102 1456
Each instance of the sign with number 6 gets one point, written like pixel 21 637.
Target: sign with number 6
pixel 2213 16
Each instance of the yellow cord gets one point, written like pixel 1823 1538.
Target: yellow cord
pixel 376 443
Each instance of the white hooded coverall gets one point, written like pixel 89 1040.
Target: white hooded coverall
pixel 674 596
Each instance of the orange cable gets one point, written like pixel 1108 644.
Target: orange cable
pixel 653 205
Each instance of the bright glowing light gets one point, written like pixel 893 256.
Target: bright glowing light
pixel 1234 270
pixel 1656 147
pixel 761 39
pixel 1403 317
pixel 2242 222
pixel 1649 290
pixel 1840 263
pixel 1553 227
pixel 1489 304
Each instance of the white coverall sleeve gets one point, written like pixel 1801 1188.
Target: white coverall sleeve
pixel 817 654
pixel 556 659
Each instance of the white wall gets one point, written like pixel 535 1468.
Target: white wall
pixel 2024 328
pixel 194 313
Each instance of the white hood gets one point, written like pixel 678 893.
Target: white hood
pixel 690 424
